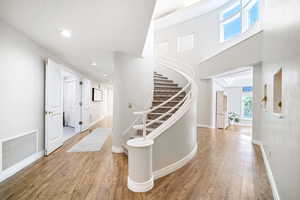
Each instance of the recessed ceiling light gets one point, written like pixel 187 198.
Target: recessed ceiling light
pixel 65 33
pixel 94 64
pixel 105 75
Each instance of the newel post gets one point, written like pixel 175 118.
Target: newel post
pixel 140 176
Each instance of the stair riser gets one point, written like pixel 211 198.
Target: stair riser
pixel 153 116
pixel 154 125
pixel 158 98
pixel 169 92
pixel 160 77
pixel 140 132
pixel 164 110
pixel 162 81
pixel 167 104
pixel 167 88
pixel 165 84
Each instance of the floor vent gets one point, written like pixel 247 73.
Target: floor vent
pixel 17 149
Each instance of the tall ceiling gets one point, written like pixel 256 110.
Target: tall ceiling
pixel 165 7
pixel 240 77
pixel 99 28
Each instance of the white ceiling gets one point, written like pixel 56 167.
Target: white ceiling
pixel 238 78
pixel 99 28
pixel 172 12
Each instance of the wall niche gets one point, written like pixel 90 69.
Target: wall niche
pixel 277 92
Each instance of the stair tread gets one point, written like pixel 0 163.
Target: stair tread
pixel 156 113
pixel 168 95
pixel 173 87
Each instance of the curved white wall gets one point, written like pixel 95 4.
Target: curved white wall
pixel 133 84
pixel 177 142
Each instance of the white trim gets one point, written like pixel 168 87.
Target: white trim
pixel 268 169
pixel 139 143
pixel 20 135
pixel 203 126
pixel 19 166
pixel 228 9
pixel 116 149
pixel 175 166
pixel 36 131
pixel 140 187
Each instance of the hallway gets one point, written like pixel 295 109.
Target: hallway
pixel 227 166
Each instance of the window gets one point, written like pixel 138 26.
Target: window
pixel 252 13
pixel 238 18
pixel 232 28
pixel 231 12
pixel 277 92
pixel 185 43
pixel 247 102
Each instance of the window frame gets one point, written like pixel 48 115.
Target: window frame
pixel 245 5
pixel 247 8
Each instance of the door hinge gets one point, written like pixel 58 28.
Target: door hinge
pixel 80 123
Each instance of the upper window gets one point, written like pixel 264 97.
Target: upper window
pixel 238 18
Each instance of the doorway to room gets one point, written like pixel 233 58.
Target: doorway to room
pixel 234 100
pixel 71 101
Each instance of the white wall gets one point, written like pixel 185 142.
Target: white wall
pixel 204 107
pixel 206 31
pixel 208 56
pixel 133 84
pixel 102 109
pixel 280 137
pixel 22 84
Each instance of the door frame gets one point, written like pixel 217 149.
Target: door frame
pixel 78 79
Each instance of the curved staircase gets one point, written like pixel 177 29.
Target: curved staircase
pixel 164 89
pixel 164 137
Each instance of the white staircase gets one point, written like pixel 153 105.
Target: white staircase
pixel 169 125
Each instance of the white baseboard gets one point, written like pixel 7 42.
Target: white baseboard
pixel 268 169
pixel 175 166
pixel 204 126
pixel 19 166
pixel 116 149
pixel 140 187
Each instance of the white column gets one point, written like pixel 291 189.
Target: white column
pixel 140 176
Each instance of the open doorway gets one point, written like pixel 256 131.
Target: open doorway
pixel 71 105
pixel 234 100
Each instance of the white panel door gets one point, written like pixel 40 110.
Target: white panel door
pixel 86 103
pixel 53 107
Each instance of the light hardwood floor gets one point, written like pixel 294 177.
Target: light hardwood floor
pixel 227 166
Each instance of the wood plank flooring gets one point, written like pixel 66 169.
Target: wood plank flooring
pixel 227 166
